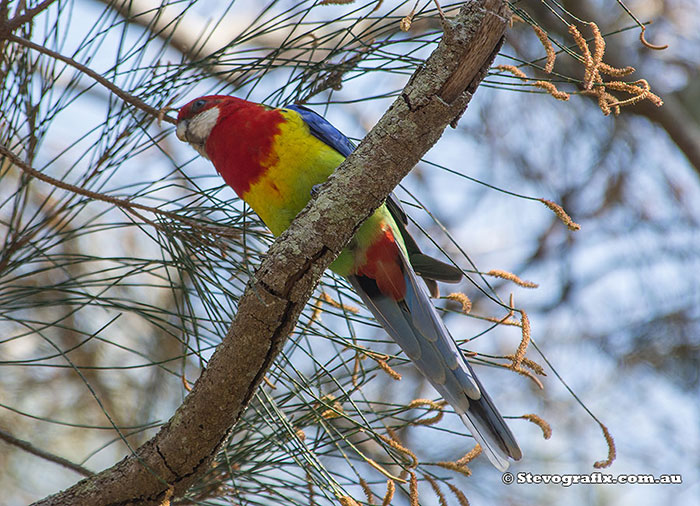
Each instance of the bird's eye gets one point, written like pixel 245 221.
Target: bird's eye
pixel 198 104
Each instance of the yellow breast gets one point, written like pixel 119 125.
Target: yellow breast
pixel 297 162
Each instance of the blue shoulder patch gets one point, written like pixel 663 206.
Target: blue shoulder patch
pixel 323 130
pixel 330 135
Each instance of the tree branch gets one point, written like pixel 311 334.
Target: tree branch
pixel 8 26
pixel 30 448
pixel 183 449
pixel 679 124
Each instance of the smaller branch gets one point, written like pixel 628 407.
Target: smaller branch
pixel 128 98
pixel 21 19
pixel 678 123
pixel 124 204
pixel 29 448
pixel 334 78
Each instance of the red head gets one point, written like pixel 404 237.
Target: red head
pixel 197 119
pixel 235 134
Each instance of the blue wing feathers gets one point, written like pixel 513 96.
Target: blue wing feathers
pixel 323 130
pixel 417 328
pixel 382 307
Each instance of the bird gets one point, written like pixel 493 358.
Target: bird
pixel 274 159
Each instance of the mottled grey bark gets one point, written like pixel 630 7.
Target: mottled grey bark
pixel 435 96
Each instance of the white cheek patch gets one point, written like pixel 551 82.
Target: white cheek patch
pixel 199 127
pixel 181 131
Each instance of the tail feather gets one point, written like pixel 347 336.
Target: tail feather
pixel 418 329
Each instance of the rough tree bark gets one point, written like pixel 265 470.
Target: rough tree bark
pixel 435 96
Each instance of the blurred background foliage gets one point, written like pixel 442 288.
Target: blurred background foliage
pixel 104 310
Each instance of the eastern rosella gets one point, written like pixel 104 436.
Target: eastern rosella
pixel 273 158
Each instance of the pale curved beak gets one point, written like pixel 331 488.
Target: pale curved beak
pixel 181 130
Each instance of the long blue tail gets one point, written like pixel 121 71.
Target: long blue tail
pixel 420 332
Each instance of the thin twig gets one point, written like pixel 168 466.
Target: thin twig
pixel 125 204
pixel 128 98
pixel 30 448
pixel 19 20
